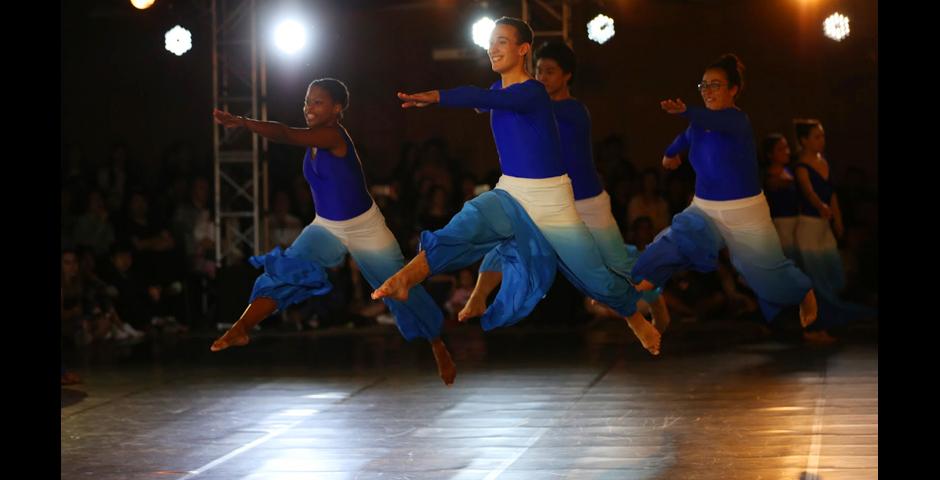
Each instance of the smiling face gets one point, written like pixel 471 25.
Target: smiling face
pixel 319 107
pixel 715 90
pixel 505 52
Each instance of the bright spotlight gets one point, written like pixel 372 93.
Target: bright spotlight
pixel 601 28
pixel 178 40
pixel 482 30
pixel 142 4
pixel 836 26
pixel 290 36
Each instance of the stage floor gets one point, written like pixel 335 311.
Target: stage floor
pixel 585 405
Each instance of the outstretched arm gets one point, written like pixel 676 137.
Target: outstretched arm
pixel 729 120
pixel 518 97
pixel 419 100
pixel 319 137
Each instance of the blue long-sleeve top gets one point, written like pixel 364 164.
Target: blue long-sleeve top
pixel 721 151
pixel 337 183
pixel 523 126
pixel 574 128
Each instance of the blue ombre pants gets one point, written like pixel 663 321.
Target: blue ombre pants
pixel 482 225
pixel 744 226
pixel 597 217
pixel 298 273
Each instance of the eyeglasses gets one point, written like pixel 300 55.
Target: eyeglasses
pixel 709 85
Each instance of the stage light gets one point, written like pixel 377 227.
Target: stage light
pixel 836 26
pixel 290 36
pixel 482 30
pixel 142 4
pixel 178 40
pixel 601 28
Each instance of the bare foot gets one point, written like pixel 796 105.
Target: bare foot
pixel 393 288
pixel 645 332
pixel 446 367
pixel 474 308
pixel 644 286
pixel 234 337
pixel 808 309
pixel 660 314
pixel 397 286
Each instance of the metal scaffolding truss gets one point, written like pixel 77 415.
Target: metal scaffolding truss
pixel 238 82
pixel 548 19
pixel 239 86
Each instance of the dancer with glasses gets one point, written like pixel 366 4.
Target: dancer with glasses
pixel 728 209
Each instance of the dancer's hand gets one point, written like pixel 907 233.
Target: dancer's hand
pixel 226 119
pixel 671 163
pixel 673 106
pixel 825 212
pixel 422 99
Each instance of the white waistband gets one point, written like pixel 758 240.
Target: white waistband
pixel 362 219
pixel 527 183
pixel 729 204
